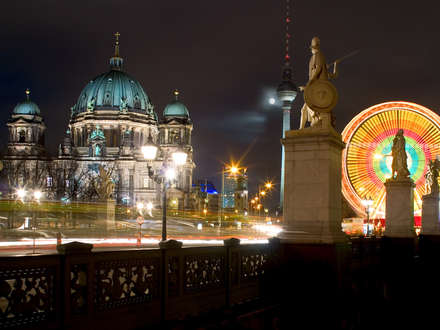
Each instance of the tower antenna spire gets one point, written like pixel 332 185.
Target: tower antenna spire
pixel 287 36
pixel 286 91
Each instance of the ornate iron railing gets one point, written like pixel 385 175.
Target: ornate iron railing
pixel 81 288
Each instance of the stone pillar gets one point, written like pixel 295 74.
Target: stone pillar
pixel 430 215
pixel 399 209
pixel 312 186
pixel 106 215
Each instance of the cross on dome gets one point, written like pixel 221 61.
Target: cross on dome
pixel 117 35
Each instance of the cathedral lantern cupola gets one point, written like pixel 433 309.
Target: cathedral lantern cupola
pixel 176 126
pixel 176 110
pixel 26 130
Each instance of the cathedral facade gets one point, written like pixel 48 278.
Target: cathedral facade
pixel 110 122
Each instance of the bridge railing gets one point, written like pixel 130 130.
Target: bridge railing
pixel 81 288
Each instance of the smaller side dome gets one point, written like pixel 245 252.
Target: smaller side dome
pixel 27 107
pixel 176 108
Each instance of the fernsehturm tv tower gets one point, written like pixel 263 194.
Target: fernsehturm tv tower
pixel 286 92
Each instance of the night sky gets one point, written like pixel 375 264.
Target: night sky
pixel 224 56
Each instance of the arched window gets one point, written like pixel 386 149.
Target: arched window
pixel 21 136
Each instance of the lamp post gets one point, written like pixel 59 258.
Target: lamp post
pixel 37 197
pixel 367 202
pixel 166 174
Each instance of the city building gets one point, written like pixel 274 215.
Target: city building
pixel 204 196
pixel 111 120
pixel 235 189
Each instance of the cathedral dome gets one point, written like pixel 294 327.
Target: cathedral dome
pixel 114 90
pixel 27 107
pixel 176 108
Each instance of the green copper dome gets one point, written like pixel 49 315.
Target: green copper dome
pixel 176 108
pixel 26 107
pixel 114 90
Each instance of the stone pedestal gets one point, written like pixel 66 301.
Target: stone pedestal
pixel 312 186
pixel 430 215
pixel 106 215
pixel 399 210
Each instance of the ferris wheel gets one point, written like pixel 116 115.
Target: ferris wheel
pixel 366 160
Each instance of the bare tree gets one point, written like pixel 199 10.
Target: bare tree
pixel 28 174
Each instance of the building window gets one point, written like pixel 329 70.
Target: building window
pixel 22 136
pixel 49 181
pixel 147 182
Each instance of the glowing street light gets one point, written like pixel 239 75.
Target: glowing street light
pixel 150 149
pixel 37 195
pixel 170 173
pixel 21 193
pixel 272 100
pixel 140 206
pixel 268 185
pixel 233 170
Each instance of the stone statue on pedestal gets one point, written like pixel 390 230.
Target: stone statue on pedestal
pixel 399 165
pixel 431 177
pixel 320 95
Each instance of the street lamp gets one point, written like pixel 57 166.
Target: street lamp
pixel 367 202
pixel 37 197
pixel 166 175
pixel 21 193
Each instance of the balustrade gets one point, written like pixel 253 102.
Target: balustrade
pixel 81 288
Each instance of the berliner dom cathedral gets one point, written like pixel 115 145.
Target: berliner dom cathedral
pixel 112 119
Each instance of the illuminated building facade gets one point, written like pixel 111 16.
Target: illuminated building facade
pixel 367 157
pixel 110 122
pixel 204 196
pixel 235 193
